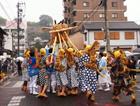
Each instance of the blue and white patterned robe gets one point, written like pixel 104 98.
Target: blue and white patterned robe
pixel 87 77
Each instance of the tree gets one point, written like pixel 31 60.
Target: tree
pixel 2 21
pixel 45 20
pixel 38 45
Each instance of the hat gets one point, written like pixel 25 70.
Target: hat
pixel 43 51
pixel 27 53
pixel 88 47
pixel 70 50
pixel 117 54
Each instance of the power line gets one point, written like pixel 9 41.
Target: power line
pixel 91 13
pixel 9 6
pixel 6 13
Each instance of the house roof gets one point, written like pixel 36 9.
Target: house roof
pixel 128 25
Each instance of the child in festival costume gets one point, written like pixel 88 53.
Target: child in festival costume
pixel 121 79
pixel 71 72
pixel 103 68
pixel 87 70
pixel 61 66
pixel 43 77
pixel 24 66
pixel 33 72
pixel 51 72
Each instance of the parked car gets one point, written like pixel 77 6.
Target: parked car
pixel 135 55
pixel 138 64
pixel 136 58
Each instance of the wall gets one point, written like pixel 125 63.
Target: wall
pixel 78 40
pixel 121 42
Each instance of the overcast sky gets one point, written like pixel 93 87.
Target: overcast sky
pixel 54 8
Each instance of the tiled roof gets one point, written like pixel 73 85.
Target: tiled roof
pixel 128 25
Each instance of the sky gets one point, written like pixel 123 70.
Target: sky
pixel 54 8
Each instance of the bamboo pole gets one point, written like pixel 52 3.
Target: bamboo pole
pixel 54 44
pixel 136 70
pixel 70 41
pixel 64 42
pixel 59 37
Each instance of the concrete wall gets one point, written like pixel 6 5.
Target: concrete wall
pixel 78 40
pixel 114 43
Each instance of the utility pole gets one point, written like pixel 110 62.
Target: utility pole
pixel 18 26
pixel 106 30
pixel 19 20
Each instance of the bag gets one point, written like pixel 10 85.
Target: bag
pixel 33 71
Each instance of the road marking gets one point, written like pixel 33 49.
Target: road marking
pixel 14 104
pixel 7 83
pixel 15 100
pixel 18 84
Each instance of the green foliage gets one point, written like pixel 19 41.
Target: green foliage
pixel 45 35
pixel 2 21
pixel 38 45
pixel 34 30
pixel 45 20
pixel 33 24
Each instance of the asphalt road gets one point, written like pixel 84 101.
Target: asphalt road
pixel 11 95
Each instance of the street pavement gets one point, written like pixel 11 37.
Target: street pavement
pixel 11 95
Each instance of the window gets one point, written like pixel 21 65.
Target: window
pixel 101 15
pixel 68 10
pixel 85 36
pixel 114 35
pixel 74 2
pixel 74 13
pixel 74 23
pixel 114 4
pixel 65 9
pixel 85 4
pixel 99 36
pixel 114 15
pixel 129 35
pixel 69 21
pixel 86 15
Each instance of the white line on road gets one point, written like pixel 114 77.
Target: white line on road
pixel 15 100
pixel 8 82
pixel 18 84
pixel 14 104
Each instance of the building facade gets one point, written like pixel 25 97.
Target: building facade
pixel 76 11
pixel 11 41
pixel 126 35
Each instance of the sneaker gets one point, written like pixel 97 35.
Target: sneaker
pixel 35 93
pixel 48 90
pixel 100 88
pixel 107 89
pixel 53 91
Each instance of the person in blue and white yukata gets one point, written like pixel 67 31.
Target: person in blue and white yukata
pixel 106 80
pixel 72 74
pixel 24 66
pixel 33 72
pixel 87 71
pixel 51 71
pixel 43 76
pixel 61 76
